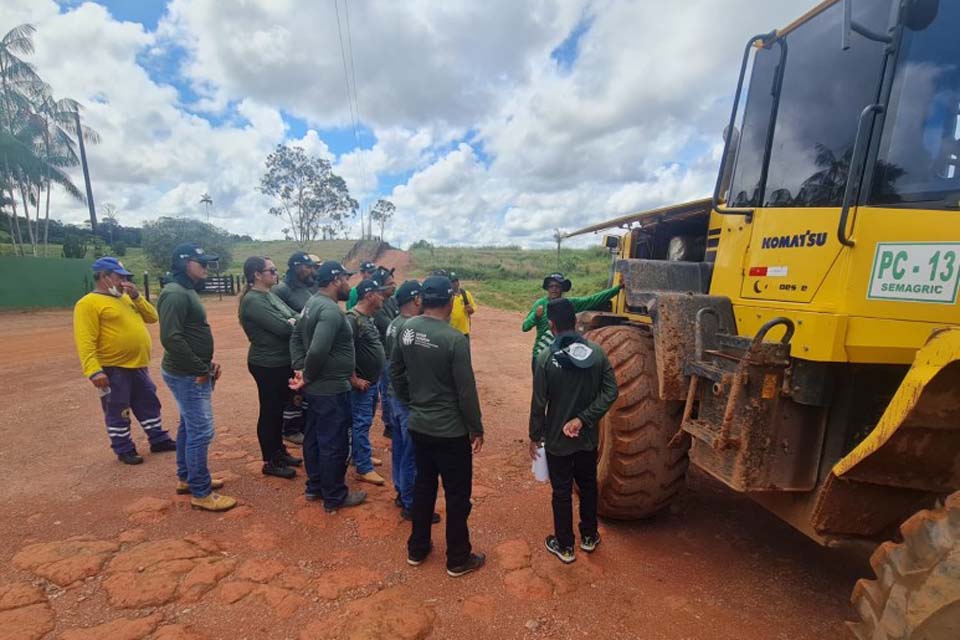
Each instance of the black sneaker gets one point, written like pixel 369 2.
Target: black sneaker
pixel 414 561
pixel 166 445
pixel 271 469
pixel 353 499
pixel 388 433
pixel 565 554
pixel 589 543
pixel 474 562
pixel 397 502
pixel 284 459
pixel 294 438
pixel 406 515
pixel 130 458
pixel 312 497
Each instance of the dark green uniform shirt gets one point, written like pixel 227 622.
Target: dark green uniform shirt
pixel 562 394
pixel 293 292
pixel 432 373
pixel 390 344
pixel 367 346
pixel 322 347
pixel 542 325
pixel 266 321
pixel 184 333
pixel 385 315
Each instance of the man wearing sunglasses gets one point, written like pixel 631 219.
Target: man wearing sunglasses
pixel 190 372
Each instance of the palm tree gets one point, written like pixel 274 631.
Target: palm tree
pixel 206 200
pixel 37 142
pixel 56 119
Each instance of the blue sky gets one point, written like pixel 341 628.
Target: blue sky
pixel 485 123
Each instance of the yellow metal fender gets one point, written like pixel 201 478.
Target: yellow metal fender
pixel 941 349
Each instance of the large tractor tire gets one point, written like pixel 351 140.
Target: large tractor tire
pixel 638 473
pixel 916 595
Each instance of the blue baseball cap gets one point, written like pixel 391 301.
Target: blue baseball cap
pixel 107 263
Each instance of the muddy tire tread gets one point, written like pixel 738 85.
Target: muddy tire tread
pixel 638 473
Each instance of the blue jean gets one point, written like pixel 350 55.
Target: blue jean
pixel 383 389
pixel 363 404
pixel 325 447
pixel 404 462
pixel 195 431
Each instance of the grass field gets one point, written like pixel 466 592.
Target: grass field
pixel 136 261
pixel 510 277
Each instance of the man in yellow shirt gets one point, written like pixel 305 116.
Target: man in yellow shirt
pixel 114 348
pixel 464 306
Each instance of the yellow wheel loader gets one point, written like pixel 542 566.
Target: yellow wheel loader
pixel 797 335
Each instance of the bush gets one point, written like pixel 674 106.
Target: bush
pixel 118 249
pixel 421 244
pixel 162 235
pixel 74 246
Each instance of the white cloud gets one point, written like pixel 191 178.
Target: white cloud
pixel 633 123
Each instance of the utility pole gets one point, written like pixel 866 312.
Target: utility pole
pixel 558 236
pixel 86 174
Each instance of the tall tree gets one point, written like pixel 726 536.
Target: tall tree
pixel 382 211
pixel 207 202
pixel 36 145
pixel 310 195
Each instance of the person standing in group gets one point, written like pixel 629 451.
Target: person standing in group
pixel 382 318
pixel 294 290
pixel 321 350
pixel 556 285
pixel 432 374
pixel 367 269
pixel 268 323
pixel 370 360
pixel 190 372
pixel 401 447
pixel 573 387
pixel 464 306
pixel 114 348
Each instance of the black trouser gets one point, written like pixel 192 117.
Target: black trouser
pixel 579 467
pixel 452 460
pixel 274 392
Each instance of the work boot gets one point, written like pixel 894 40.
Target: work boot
pixel 160 447
pixel 214 502
pixel 565 554
pixel 372 477
pixel 130 458
pixel 286 460
pixel 294 438
pixel 353 499
pixel 406 515
pixel 183 488
pixel 278 470
pixel 377 462
pixel 474 562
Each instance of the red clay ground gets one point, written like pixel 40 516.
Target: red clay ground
pixel 90 548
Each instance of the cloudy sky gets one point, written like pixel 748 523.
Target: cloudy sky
pixel 484 122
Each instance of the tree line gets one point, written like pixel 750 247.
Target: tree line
pixel 41 138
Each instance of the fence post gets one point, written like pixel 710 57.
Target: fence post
pixel 146 285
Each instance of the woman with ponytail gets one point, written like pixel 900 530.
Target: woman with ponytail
pixel 268 323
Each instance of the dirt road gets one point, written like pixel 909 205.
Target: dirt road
pixel 87 542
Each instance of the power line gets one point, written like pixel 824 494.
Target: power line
pixel 353 102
